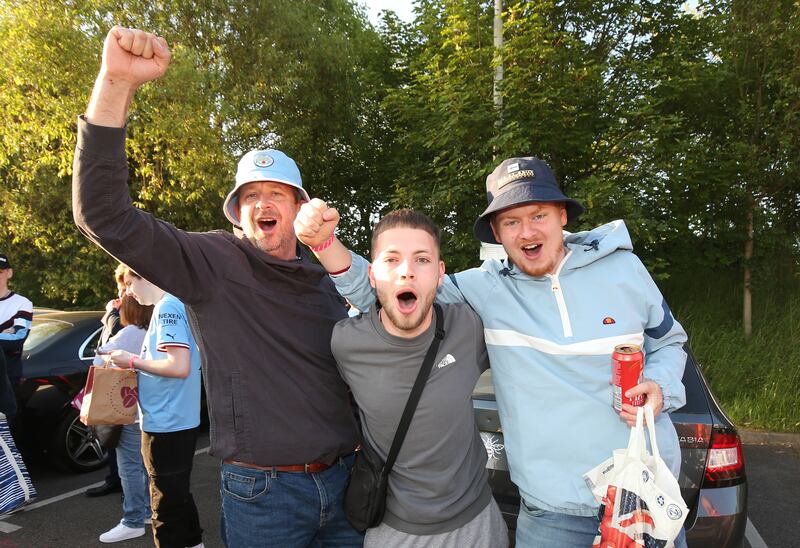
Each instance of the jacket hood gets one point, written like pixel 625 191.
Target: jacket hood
pixel 589 246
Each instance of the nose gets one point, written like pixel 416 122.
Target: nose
pixel 405 270
pixel 264 202
pixel 529 229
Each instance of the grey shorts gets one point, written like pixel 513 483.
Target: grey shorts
pixel 486 530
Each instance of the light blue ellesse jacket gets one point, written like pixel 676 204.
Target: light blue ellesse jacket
pixel 550 341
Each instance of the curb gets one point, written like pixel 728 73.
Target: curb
pixel 756 437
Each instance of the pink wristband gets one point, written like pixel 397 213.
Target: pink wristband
pixel 130 363
pixel 324 245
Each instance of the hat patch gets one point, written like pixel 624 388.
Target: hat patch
pixel 262 159
pixel 515 176
pixel 512 167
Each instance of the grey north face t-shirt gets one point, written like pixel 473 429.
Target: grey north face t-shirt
pixel 439 480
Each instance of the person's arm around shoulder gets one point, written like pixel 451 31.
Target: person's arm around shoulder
pixel 315 226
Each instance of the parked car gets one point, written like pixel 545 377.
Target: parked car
pixel 712 480
pixel 55 361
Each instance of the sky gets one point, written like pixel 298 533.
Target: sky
pixel 403 8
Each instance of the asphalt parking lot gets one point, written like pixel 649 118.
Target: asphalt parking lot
pixel 64 517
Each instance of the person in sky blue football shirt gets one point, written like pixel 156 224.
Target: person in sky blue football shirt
pixel 169 397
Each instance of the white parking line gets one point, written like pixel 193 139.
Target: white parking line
pixel 59 498
pixel 752 536
pixel 6 527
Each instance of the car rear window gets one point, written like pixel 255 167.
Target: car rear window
pixel 43 331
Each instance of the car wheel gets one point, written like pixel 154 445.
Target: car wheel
pixel 74 445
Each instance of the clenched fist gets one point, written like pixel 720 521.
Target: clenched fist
pixel 315 222
pixel 133 56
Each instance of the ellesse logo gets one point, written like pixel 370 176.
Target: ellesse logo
pixel 608 320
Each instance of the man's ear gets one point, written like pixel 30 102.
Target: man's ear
pixel 371 276
pixel 563 216
pixel 441 273
pixel 494 231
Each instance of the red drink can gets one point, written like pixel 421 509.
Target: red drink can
pixel 627 364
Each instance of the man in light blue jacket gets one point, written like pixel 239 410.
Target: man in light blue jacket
pixel 553 313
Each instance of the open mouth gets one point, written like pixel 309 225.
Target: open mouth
pixel 267 224
pixel 406 301
pixel 532 251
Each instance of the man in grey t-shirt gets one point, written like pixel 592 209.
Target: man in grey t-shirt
pixel 438 491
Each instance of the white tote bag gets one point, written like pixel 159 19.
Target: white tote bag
pixel 641 500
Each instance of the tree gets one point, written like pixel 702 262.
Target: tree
pixel 306 77
pixel 760 47
pixel 577 77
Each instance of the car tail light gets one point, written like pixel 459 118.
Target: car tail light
pixel 725 461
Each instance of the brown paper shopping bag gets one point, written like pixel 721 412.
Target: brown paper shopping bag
pixel 111 396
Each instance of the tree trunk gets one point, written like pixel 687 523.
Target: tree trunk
pixel 747 309
pixel 497 96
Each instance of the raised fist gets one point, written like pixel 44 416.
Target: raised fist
pixel 315 222
pixel 133 57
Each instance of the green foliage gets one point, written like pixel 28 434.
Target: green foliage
pixel 443 119
pixel 677 119
pixel 756 381
pixel 307 77
pixel 46 58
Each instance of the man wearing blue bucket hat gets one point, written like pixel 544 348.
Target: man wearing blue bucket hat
pixel 261 311
pixel 553 311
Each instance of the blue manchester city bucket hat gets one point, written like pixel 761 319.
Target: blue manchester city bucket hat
pixel 262 165
pixel 519 181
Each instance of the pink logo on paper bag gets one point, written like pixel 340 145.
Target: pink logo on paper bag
pixel 129 396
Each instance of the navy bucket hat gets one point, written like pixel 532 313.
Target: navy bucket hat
pixel 519 181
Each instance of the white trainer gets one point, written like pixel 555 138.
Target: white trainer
pixel 121 532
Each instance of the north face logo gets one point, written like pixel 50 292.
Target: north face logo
pixel 447 360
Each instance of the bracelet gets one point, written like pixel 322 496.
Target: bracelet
pixel 130 363
pixel 324 245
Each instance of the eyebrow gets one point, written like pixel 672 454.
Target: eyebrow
pixel 510 215
pixel 417 252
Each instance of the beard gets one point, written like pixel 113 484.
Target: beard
pixel 406 322
pixel 547 263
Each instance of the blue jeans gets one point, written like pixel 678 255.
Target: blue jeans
pixel 537 528
pixel 286 509
pixel 135 491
